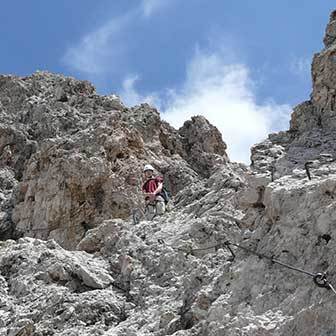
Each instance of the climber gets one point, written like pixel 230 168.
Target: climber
pixel 152 188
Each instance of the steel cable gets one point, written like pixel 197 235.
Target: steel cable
pixel 320 279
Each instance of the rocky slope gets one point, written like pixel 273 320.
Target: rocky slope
pixel 71 158
pixel 73 262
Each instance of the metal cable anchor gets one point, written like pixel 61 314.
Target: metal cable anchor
pixel 320 280
pixel 307 166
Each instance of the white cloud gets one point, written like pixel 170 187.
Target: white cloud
pixel 132 97
pixel 216 85
pixel 300 66
pixel 151 6
pixel 225 95
pixel 104 48
pixel 100 49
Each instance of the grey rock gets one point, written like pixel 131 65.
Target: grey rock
pixel 77 157
pixel 70 168
pixel 330 35
pixel 203 144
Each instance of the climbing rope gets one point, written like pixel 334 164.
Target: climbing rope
pixel 320 279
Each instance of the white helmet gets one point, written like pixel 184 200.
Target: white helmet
pixel 148 167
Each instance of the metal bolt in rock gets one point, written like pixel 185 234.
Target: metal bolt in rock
pixel 307 166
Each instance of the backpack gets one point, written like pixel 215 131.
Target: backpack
pixel 165 194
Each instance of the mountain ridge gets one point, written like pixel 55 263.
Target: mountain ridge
pixel 73 262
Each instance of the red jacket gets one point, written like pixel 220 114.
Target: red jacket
pixel 151 185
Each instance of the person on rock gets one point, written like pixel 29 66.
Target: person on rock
pixel 152 188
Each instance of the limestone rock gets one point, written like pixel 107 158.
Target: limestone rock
pixel 70 167
pixel 330 35
pixel 45 288
pixel 77 157
pixel 203 144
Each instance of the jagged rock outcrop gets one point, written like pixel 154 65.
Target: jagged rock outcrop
pixel 70 169
pixel 7 184
pixel 47 290
pixel 77 157
pixel 312 124
pixel 330 35
pixel 202 140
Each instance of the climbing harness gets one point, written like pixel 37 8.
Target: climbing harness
pixel 320 279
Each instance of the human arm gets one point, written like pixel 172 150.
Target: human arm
pixel 159 188
pixel 153 187
pixel 152 195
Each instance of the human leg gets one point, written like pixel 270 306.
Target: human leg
pixel 160 205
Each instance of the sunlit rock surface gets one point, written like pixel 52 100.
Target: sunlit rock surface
pixel 70 176
pixel 77 157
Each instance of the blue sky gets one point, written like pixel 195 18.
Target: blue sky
pixel 242 63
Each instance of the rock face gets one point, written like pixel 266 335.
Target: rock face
pixel 77 157
pixel 202 140
pixel 312 128
pixel 45 289
pixel 70 171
